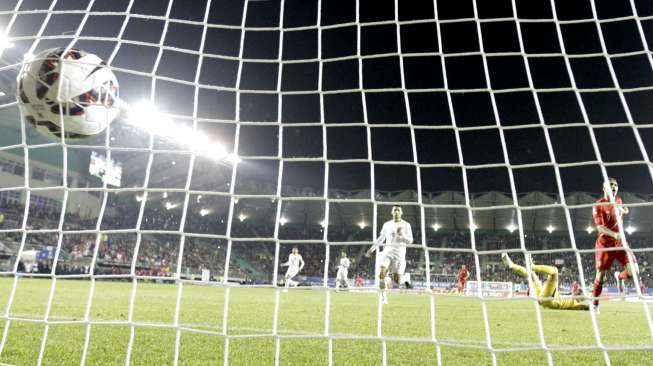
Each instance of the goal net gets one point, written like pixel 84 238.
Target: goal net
pixel 492 124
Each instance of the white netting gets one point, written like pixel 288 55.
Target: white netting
pixel 310 96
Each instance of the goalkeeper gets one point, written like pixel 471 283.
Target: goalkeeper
pixel 547 293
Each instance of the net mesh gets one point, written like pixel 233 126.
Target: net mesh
pixel 317 90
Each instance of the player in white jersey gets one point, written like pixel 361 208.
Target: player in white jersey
pixel 343 270
pixel 295 264
pixel 396 233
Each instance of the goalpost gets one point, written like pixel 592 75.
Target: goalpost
pixel 404 87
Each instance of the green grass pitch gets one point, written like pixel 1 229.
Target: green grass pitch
pixel 459 326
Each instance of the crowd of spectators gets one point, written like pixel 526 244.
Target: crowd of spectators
pixel 254 261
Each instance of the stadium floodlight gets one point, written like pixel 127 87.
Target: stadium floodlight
pixel 165 194
pixel 550 229
pixel 204 212
pixel 589 229
pixel 283 221
pixel 146 116
pixel 630 229
pixel 362 225
pixel 473 226
pixel 323 223
pixel 2 94
pixel 5 42
pixel 436 227
pixel 242 217
pixel 511 228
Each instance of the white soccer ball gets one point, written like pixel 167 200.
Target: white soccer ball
pixel 69 91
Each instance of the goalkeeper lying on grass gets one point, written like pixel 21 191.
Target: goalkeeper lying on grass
pixel 547 293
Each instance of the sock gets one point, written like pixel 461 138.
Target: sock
pixel 596 292
pixel 541 268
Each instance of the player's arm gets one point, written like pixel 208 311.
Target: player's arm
pixel 599 220
pixel 377 242
pixel 301 262
pixel 285 264
pixel 408 236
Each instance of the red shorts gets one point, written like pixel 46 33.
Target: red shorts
pixel 462 283
pixel 604 259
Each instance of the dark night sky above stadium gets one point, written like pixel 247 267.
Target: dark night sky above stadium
pixel 389 107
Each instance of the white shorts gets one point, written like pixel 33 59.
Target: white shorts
pixel 392 262
pixel 291 272
pixel 342 274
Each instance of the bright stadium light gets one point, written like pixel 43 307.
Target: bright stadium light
pixel 147 117
pixel 204 212
pixel 550 229
pixel 630 230
pixel 242 217
pixel 5 42
pixel 362 225
pixel 436 227
pixel 323 223
pixel 511 228
pixel 165 194
pixel 283 221
pixel 589 229
pixel 473 226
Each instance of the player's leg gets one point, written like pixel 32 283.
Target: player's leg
pixel 620 277
pixel 549 286
pixel 629 263
pixel 286 281
pixel 289 282
pixel 383 272
pixel 338 278
pixel 536 285
pixel 604 261
pixel 402 274
pixel 396 278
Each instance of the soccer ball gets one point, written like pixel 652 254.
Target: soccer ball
pixel 67 91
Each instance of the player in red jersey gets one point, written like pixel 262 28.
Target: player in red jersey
pixel 358 281
pixel 461 278
pixel 575 288
pixel 606 220
pixel 642 287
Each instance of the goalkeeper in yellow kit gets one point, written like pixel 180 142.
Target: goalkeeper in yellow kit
pixel 547 293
